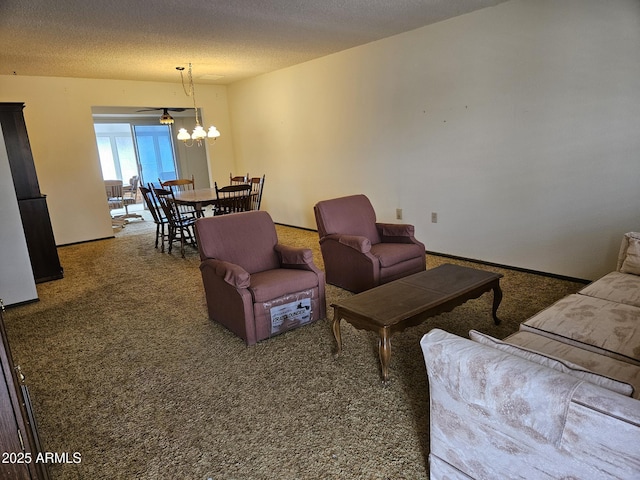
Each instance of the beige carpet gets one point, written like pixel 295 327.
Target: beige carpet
pixel 124 367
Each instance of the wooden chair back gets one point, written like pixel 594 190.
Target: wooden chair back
pixel 232 199
pixel 257 184
pixel 152 205
pixel 159 218
pixel 238 179
pixel 114 192
pixel 179 184
pixel 180 225
pixel 167 205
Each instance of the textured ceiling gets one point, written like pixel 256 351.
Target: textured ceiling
pixel 148 39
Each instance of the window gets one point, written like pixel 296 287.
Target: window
pixel 126 150
pixel 155 152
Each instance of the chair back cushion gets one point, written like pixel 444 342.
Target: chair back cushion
pixel 352 215
pixel 246 239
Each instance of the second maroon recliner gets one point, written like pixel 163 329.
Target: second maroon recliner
pixel 360 253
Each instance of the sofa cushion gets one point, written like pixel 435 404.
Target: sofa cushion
pixel 602 326
pixel 271 284
pixel 616 287
pixel 390 254
pixel 556 363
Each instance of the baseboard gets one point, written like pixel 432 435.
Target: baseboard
pixel 20 304
pixel 509 267
pixel 294 226
pixel 85 241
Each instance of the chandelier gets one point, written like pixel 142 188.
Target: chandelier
pixel 199 134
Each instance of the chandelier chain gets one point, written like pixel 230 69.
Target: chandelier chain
pixel 191 92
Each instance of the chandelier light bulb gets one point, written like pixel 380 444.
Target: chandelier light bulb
pixel 183 135
pixel 213 132
pixel 198 133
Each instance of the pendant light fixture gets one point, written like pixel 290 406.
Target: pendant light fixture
pixel 199 134
pixel 166 119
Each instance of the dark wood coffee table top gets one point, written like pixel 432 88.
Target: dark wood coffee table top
pixel 407 302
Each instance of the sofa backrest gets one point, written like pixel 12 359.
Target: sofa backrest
pixel 352 215
pixel 246 239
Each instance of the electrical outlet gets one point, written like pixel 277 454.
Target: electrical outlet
pixel 434 217
pixel 398 214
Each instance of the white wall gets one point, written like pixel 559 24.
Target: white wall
pixel 60 127
pixel 16 275
pixel 518 124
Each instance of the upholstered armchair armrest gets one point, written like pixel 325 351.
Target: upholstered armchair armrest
pixel 396 232
pixel 358 243
pixel 294 257
pixel 233 274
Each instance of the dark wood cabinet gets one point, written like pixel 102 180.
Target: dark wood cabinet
pixel 19 442
pixel 36 223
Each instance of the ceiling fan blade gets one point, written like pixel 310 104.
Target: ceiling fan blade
pixel 152 109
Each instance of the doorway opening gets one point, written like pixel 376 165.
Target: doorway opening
pixel 132 143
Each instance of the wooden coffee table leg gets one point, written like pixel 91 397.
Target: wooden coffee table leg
pixel 384 351
pixel 497 298
pixel 335 326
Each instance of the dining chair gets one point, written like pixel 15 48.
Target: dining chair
pixel 257 184
pixel 181 185
pixel 159 218
pixel 113 189
pixel 232 199
pixel 180 225
pixel 238 179
pixel 114 192
pixel 130 197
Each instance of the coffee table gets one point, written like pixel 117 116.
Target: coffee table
pixel 407 302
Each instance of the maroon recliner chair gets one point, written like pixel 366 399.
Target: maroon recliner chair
pixel 360 253
pixel 254 286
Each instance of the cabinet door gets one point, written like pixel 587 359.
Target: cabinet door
pixel 13 461
pixel 40 240
pixel 19 443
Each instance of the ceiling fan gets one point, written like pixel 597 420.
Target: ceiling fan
pixel 165 119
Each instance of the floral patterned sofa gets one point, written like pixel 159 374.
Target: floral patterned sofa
pixel 560 398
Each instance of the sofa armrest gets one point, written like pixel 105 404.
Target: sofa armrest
pixel 502 415
pixel 628 255
pixel 233 274
pixel 356 242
